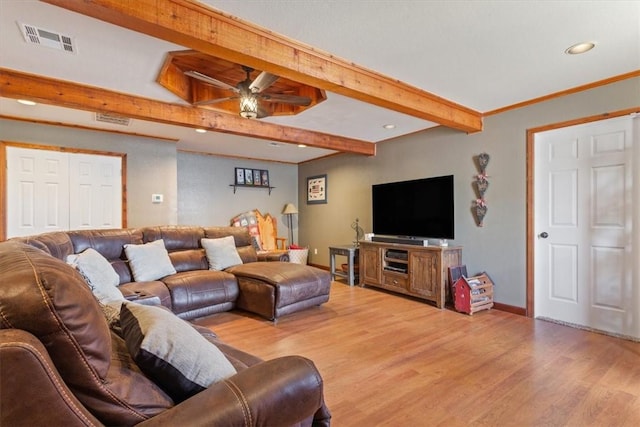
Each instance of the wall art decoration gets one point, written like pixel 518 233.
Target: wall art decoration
pixel 481 185
pixel 246 177
pixel 317 189
pixel 239 176
pixel 264 178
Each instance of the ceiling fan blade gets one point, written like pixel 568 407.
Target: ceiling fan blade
pixel 287 99
pixel 262 112
pixel 214 101
pixel 263 81
pixel 210 80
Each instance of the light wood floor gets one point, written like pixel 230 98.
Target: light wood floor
pixel 392 361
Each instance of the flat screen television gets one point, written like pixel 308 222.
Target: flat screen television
pixel 417 208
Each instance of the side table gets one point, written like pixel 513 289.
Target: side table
pixel 351 252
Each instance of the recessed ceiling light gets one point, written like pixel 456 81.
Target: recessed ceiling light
pixel 201 130
pixel 302 146
pixel 580 48
pixel 389 126
pixel 26 102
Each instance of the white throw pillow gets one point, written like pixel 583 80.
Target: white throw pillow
pixel 149 261
pixel 221 253
pixel 99 275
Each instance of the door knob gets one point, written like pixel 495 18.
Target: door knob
pixel 543 235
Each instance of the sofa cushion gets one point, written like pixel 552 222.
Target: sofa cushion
pixel 171 351
pixel 110 243
pixel 182 243
pixel 221 253
pixel 149 261
pixel 99 274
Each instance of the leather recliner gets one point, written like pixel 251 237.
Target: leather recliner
pixel 60 364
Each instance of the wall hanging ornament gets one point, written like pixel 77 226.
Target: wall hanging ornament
pixel 481 184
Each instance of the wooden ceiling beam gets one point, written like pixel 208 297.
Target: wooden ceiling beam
pixel 16 84
pixel 196 26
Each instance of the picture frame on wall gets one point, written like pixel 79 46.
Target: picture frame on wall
pixel 264 179
pixel 317 189
pixel 239 176
pixel 248 176
pixel 257 177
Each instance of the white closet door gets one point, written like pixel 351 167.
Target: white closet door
pixel 95 191
pixel 37 191
pixel 52 190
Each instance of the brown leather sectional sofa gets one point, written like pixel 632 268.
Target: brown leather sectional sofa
pixel 195 291
pixel 60 364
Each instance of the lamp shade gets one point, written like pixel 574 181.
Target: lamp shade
pixel 249 106
pixel 289 208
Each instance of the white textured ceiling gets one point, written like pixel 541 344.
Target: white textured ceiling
pixel 484 55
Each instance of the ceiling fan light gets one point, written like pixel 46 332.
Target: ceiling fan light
pixel 249 106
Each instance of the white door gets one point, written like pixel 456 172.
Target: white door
pixel 53 190
pixel 95 191
pixel 37 191
pixel 585 259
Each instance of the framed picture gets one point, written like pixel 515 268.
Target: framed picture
pixel 264 179
pixel 248 176
pixel 317 189
pixel 256 177
pixel 240 176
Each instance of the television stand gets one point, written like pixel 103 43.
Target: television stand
pixel 418 271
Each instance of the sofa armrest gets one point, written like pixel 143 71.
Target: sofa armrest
pixel 27 374
pixel 282 256
pixel 280 392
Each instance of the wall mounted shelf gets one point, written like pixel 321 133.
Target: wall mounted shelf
pixel 235 186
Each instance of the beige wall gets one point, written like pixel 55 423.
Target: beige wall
pixel 195 187
pixel 151 164
pixel 500 246
pixel 205 197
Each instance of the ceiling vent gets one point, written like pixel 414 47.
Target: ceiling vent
pixel 39 36
pixel 113 119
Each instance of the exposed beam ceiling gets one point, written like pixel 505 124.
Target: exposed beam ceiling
pixel 198 27
pixel 15 84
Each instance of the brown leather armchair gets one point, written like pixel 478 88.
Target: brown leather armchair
pixel 60 364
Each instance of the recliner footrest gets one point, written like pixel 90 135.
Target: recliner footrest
pixel 273 289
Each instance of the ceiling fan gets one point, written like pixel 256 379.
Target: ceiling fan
pixel 249 92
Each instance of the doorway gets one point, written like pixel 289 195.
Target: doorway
pixel 583 245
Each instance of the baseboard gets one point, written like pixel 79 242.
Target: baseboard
pixel 510 308
pixel 521 311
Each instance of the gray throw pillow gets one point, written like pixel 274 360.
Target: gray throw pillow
pixel 149 261
pixel 99 274
pixel 221 253
pixel 171 352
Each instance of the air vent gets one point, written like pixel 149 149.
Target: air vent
pixel 113 119
pixel 42 37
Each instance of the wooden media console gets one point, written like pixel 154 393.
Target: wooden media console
pixel 418 271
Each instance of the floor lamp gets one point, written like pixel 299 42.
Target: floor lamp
pixel 290 210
